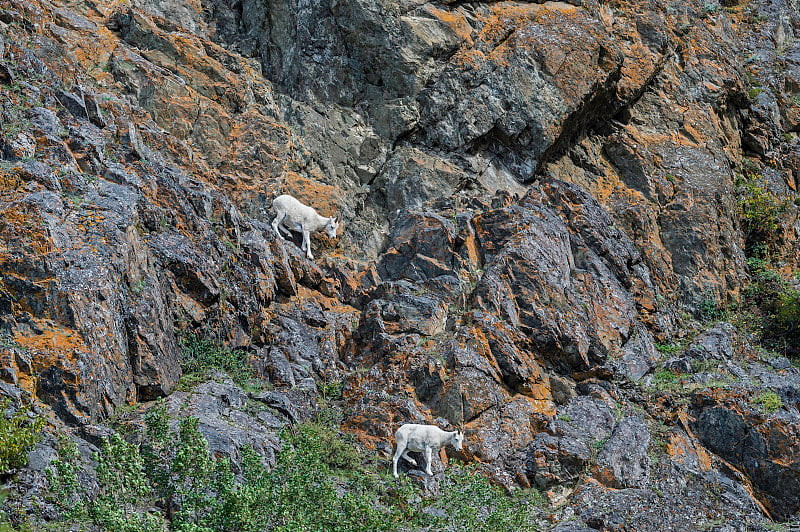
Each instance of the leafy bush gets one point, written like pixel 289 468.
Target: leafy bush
pixel 63 478
pixel 787 311
pixel 754 92
pixel 665 377
pixel 122 501
pixel 319 482
pixel 668 349
pixel 779 305
pixel 761 212
pixel 769 402
pixel 18 434
pixel 471 502
pixel 201 357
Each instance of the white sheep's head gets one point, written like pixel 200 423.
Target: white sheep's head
pixel 458 440
pixel 331 227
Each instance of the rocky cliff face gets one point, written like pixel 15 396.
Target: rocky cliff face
pixel 545 206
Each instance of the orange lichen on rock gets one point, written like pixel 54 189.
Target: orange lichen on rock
pixel 324 198
pixel 21 227
pixel 684 450
pixel 456 22
pixel 51 339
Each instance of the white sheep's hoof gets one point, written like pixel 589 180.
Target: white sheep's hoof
pixel 412 461
pixel 429 472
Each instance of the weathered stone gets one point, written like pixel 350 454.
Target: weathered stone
pixel 762 445
pixel 224 422
pixel 6 76
pixel 716 343
pixel 623 460
pixel 46 121
pixel 73 103
pixel 20 146
pixel 556 460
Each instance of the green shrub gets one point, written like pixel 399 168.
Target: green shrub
pixel 18 434
pixel 472 502
pixel 761 212
pixel 769 402
pixel 668 349
pixel 665 376
pixel 201 357
pixel 778 303
pixel 122 502
pixel 318 482
pixel 306 482
pixel 787 311
pixel 63 478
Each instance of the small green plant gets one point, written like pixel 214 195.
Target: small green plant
pixel 768 402
pixel 668 349
pixel 666 380
pixel 787 310
pixel 201 357
pixel 754 92
pixel 778 302
pixel 709 8
pixel 330 390
pixel 565 417
pixel 62 476
pixel 138 287
pixel 19 432
pixel 121 503
pixel 709 308
pixel 232 246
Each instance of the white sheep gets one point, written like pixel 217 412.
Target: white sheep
pixel 291 215
pixel 423 438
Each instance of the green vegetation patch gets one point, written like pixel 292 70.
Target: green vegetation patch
pixel 668 349
pixel 472 502
pixel 762 212
pixel 665 378
pixel 768 402
pixel 319 481
pixel 202 357
pixel 19 432
pixel 778 303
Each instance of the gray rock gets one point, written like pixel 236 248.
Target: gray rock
pixel 715 343
pixel 73 103
pixel 623 460
pixel 45 121
pixel 563 389
pixel 224 422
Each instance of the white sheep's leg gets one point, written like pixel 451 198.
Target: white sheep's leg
pixel 428 452
pixel 400 450
pixel 407 457
pixel 307 244
pixel 285 229
pixel 276 222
